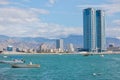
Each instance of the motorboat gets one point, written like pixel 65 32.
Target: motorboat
pixel 12 61
pixel 86 54
pixel 25 65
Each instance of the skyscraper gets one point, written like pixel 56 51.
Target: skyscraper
pixel 89 29
pixel 94 29
pixel 59 44
pixel 100 30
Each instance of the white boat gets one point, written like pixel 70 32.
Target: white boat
pixel 102 55
pixel 25 65
pixel 12 61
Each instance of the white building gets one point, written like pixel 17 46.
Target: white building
pixel 70 48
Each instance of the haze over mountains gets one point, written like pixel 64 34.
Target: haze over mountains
pixel 29 42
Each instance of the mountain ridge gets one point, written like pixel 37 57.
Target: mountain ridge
pixel 30 42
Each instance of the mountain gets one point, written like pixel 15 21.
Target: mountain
pixel 2 37
pixel 29 42
pixel 22 42
pixel 77 40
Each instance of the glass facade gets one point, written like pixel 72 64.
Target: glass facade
pixel 89 29
pixel 100 30
pixel 94 30
pixel 59 44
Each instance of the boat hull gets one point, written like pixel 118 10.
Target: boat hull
pixel 25 66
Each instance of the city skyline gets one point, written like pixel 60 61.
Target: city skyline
pixel 53 18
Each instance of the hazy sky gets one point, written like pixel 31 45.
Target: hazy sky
pixel 54 18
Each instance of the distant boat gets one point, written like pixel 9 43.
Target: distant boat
pixel 102 55
pixel 12 61
pixel 86 54
pixel 25 65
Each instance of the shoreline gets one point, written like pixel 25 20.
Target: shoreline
pixel 82 53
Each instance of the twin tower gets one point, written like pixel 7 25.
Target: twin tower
pixel 94 30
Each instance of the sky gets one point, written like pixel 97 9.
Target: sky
pixel 54 18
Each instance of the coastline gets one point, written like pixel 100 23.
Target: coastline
pixel 82 53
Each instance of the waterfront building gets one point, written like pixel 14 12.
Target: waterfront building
pixel 111 45
pixel 60 45
pixel 113 48
pixel 100 30
pixel 18 50
pixel 31 50
pixel 70 48
pixel 89 29
pixel 9 48
pixel 43 48
pixel 94 30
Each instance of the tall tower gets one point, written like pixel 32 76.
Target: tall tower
pixel 89 29
pixel 59 44
pixel 94 30
pixel 100 30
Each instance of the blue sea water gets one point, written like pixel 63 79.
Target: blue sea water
pixel 64 67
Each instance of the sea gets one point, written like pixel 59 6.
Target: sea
pixel 63 67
